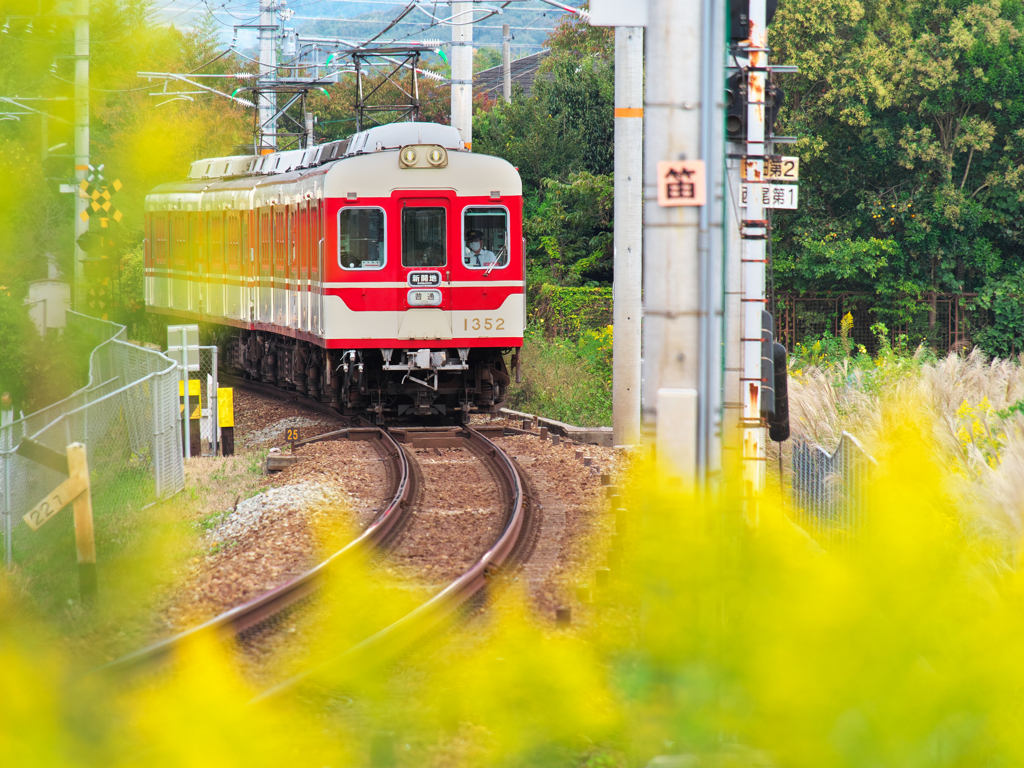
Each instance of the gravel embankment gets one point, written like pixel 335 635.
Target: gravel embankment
pixel 260 420
pixel 574 519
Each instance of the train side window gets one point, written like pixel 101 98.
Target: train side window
pixel 361 238
pixel 423 237
pixel 485 238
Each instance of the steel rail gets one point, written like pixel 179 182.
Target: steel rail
pixel 396 636
pixel 251 613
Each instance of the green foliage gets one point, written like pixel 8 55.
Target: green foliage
pixel 562 140
pixel 1002 297
pixel 572 229
pixel 907 117
pixel 38 371
pixel 570 312
pixel 564 379
pixel 485 58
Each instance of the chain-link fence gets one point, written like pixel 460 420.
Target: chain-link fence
pixel 830 490
pixel 128 419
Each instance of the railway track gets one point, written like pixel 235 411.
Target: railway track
pixel 401 475
pixel 389 642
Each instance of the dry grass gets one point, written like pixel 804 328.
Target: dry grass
pixel 982 454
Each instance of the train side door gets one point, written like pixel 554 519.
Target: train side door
pixel 303 287
pixel 424 226
pixel 294 276
pixel 317 268
pixel 198 263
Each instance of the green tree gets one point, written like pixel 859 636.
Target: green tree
pixel 572 230
pixel 908 120
pixel 562 140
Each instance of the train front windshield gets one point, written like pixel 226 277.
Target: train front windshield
pixel 423 237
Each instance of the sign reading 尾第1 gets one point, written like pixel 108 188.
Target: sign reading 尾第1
pixel 681 183
pixel 777 168
pixel 772 195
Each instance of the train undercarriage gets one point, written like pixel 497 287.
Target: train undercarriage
pixel 377 383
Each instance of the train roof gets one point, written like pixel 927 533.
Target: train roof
pixel 367 167
pixel 377 139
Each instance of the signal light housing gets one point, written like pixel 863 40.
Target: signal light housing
pixel 736 107
pixel 778 424
pixel 739 18
pixel 767 404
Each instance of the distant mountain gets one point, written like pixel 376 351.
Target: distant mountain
pixel 358 20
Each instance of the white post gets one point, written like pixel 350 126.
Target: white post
pixel 753 270
pixel 628 243
pixel 212 400
pixel 672 306
pixel 268 74
pixel 81 141
pixel 462 71
pixel 506 63
pixel 676 458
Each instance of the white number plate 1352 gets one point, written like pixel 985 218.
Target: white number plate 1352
pixel 483 324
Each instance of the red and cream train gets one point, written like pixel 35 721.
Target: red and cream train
pixel 383 274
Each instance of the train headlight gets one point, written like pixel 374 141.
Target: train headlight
pixel 437 156
pixel 423 156
pixel 409 156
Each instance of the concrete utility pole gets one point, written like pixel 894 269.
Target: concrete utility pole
pixel 462 71
pixel 506 62
pixel 711 246
pixel 268 74
pixel 81 140
pixel 628 243
pixel 680 356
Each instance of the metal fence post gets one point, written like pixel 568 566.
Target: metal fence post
pixel 214 418
pixel 157 463
pixel 186 432
pixel 8 522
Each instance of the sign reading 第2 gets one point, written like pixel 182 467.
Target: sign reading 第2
pixel 424 279
pixel 772 195
pixel 778 168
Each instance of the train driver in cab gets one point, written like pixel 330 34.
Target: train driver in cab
pixel 476 255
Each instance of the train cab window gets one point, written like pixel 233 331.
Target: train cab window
pixel 485 238
pixel 423 237
pixel 361 241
